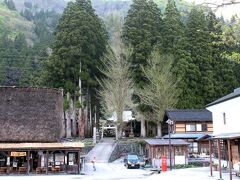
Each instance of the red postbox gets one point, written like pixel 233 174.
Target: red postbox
pixel 164 163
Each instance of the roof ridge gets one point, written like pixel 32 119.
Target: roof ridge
pixel 184 110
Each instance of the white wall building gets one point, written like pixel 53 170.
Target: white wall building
pixel 226 114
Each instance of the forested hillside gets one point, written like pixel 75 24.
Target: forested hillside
pixel 205 48
pixel 25 40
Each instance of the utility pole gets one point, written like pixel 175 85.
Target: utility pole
pixel 94 128
pixel 170 123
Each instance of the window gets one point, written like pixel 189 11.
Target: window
pixel 193 147
pixel 199 127
pixel 204 127
pixel 224 118
pixel 190 127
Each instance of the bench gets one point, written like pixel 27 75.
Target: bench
pixel 40 170
pixel 22 170
pixel 3 170
pixel 56 169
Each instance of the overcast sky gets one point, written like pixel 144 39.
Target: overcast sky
pixel 227 11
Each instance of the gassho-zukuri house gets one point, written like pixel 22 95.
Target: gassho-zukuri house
pixel 31 121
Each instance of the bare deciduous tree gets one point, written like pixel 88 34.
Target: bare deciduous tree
pixel 216 4
pixel 117 87
pixel 161 92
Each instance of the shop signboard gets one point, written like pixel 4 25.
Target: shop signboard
pixel 18 154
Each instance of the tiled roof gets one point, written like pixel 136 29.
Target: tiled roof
pixel 232 95
pixel 189 115
pixel 166 142
pixel 185 136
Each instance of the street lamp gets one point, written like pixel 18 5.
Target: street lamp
pixel 170 123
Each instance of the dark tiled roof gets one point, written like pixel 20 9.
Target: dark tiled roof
pixel 166 142
pixel 185 136
pixel 232 95
pixel 189 115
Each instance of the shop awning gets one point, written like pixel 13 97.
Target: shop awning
pixel 42 146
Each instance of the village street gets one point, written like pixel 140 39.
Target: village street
pixel 116 171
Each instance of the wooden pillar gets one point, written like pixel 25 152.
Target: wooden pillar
pixel 230 158
pixel 219 159
pixel 54 159
pixel 65 162
pixel 28 164
pixel 47 153
pixel 174 155
pixel 210 154
pixel 8 162
pixel 186 153
pixel 79 160
pixel 39 159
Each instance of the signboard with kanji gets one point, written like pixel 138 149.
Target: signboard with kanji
pixel 18 154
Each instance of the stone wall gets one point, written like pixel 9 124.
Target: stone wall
pixel 123 149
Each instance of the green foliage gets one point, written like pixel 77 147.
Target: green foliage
pixel 80 38
pixel 65 104
pixel 142 30
pixel 173 29
pixel 200 77
pixel 12 23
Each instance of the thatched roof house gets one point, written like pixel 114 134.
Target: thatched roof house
pixel 30 114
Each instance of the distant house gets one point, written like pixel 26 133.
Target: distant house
pixel 226 127
pixel 192 125
pixel 131 127
pixel 157 148
pixel 32 126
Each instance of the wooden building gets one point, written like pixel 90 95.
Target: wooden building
pixel 32 126
pixel 156 148
pixel 192 125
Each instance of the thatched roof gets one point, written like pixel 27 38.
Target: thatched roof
pixel 43 146
pixel 30 114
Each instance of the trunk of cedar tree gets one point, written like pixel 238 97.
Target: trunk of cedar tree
pixel 159 129
pixel 143 128
pixel 68 119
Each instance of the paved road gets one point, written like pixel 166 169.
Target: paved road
pixel 191 174
pixel 116 171
pixel 105 171
pixel 101 151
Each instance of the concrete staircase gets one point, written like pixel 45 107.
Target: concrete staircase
pixel 102 151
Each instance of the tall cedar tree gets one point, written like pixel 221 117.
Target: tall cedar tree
pixel 173 29
pixel 80 37
pixel 142 30
pixel 224 78
pixel 200 77
pixel 174 43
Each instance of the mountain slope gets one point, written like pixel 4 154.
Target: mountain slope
pixel 13 23
pixel 56 5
